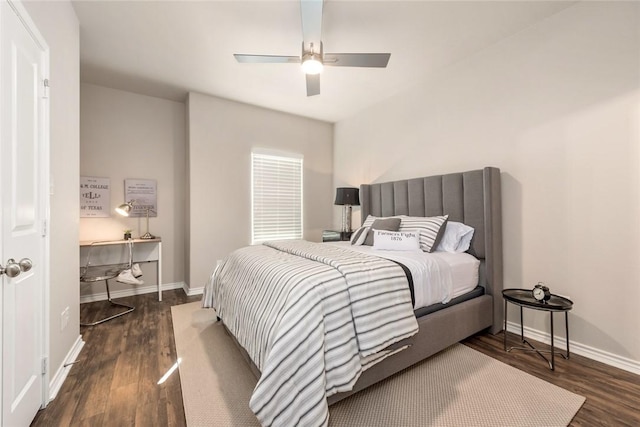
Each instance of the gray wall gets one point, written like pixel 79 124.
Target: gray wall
pixel 125 135
pixel 555 107
pixel 222 134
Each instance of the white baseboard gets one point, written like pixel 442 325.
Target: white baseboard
pixel 193 291
pixel 133 290
pixel 61 374
pixel 560 343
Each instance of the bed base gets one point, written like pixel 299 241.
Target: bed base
pixel 438 331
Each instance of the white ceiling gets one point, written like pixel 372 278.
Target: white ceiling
pixel 168 48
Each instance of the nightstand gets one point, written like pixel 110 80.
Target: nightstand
pixel 524 298
pixel 335 236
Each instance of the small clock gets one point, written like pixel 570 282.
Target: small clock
pixel 541 292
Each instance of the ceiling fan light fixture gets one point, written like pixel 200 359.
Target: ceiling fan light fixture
pixel 312 55
pixel 312 63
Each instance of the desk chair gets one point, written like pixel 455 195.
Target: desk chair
pixel 97 273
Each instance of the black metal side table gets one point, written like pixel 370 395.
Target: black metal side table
pixel 524 298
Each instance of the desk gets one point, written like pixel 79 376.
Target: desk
pixel 115 252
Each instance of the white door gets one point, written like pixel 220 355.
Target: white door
pixel 23 210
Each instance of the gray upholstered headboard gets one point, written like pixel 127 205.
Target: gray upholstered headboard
pixel 473 198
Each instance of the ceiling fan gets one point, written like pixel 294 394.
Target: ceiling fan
pixel 313 57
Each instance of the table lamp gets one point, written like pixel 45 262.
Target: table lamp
pixel 347 197
pixel 124 210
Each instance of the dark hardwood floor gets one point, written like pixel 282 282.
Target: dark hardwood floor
pixel 114 382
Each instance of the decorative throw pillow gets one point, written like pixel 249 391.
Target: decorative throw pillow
pixel 358 236
pixel 430 229
pixel 396 240
pixel 456 238
pixel 369 221
pixel 388 224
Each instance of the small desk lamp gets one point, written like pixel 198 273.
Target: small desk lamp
pixel 124 210
pixel 347 197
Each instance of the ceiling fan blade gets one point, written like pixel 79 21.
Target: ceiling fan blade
pixel 266 59
pixel 379 60
pixel 311 14
pixel 313 84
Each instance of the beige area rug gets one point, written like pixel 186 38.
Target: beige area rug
pixel 456 387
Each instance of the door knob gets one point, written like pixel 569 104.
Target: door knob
pixel 25 264
pixel 12 269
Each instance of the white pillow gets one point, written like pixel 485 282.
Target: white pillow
pixel 396 240
pixel 457 238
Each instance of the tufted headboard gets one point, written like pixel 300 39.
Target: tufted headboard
pixel 473 198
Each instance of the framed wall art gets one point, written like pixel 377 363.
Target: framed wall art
pixel 95 197
pixel 144 193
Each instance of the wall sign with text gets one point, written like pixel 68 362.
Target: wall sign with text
pixel 144 192
pixel 95 197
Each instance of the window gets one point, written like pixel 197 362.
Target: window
pixel 276 197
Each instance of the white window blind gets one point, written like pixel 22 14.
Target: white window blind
pixel 276 197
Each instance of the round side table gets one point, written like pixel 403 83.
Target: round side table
pixel 524 299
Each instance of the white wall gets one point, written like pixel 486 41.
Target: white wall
pixel 58 24
pixel 126 135
pixel 557 108
pixel 222 134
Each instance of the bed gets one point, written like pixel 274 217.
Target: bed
pixel 472 198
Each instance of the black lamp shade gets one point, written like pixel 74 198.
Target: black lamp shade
pixel 347 196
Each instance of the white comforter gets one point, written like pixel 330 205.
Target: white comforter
pixel 308 314
pixel 437 277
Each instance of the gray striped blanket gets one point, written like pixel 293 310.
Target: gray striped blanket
pixel 308 314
